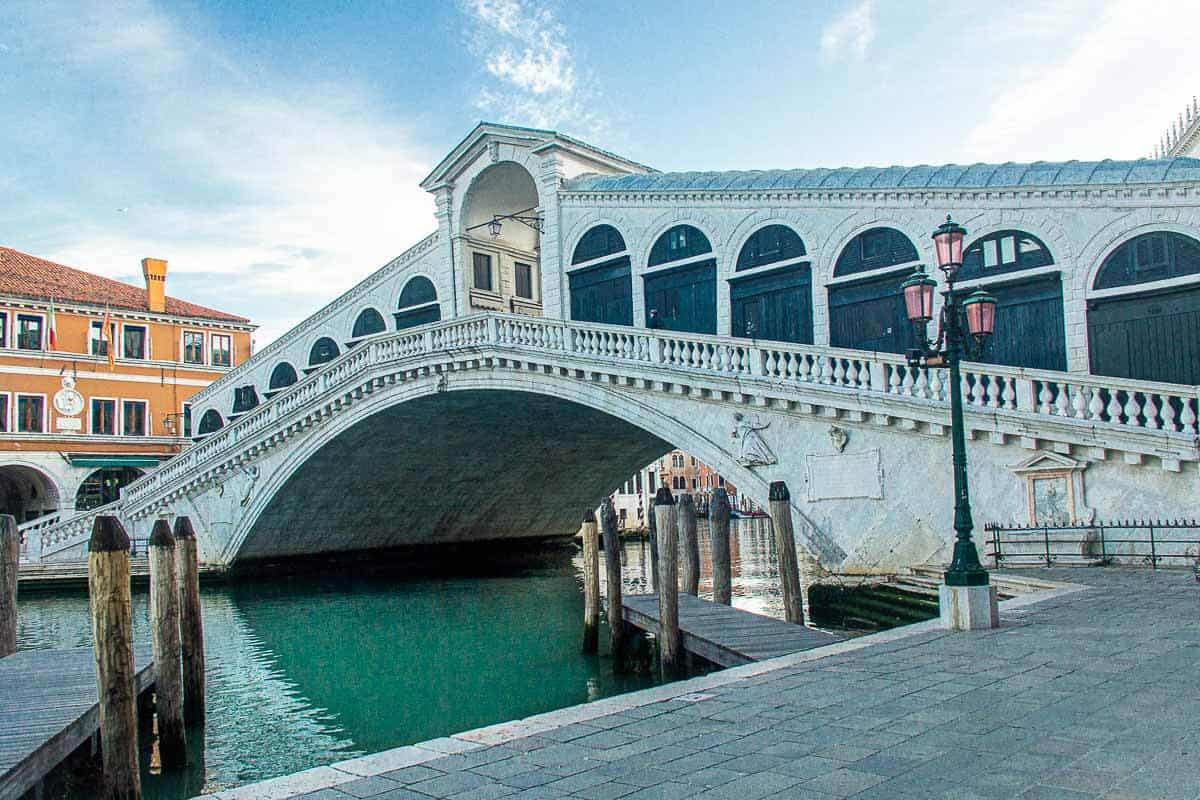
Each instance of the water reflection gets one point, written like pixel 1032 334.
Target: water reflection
pixel 309 670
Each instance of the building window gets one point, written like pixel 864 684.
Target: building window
pixel 3 413
pixel 31 413
pixel 482 264
pixel 97 345
pixel 187 419
pixel 651 483
pixel 133 417
pixel 3 329
pixel 133 339
pixel 720 481
pixel 677 460
pixel 104 416
pixel 524 278
pixel 29 332
pixel 193 347
pixel 222 350
pixel 695 484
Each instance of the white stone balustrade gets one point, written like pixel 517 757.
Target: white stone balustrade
pixel 1135 416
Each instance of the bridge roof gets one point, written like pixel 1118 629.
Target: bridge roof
pixel 947 176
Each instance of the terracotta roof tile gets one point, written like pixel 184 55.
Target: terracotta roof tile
pixel 23 275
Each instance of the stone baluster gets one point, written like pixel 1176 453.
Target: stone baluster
pixel 1168 415
pixel 1188 416
pixel 1061 401
pixel 1095 404
pixel 1132 411
pixel 1150 412
pixel 1078 402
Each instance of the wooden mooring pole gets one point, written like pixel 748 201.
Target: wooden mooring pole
pixel 652 527
pixel 718 521
pixel 10 562
pixel 191 624
pixel 785 546
pixel 112 638
pixel 689 570
pixel 668 587
pixel 591 583
pixel 612 571
pixel 168 650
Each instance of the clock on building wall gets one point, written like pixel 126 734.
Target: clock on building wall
pixel 68 401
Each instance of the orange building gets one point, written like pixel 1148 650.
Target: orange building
pixel 84 411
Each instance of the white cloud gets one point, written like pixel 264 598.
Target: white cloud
pixel 528 53
pixel 850 34
pixel 1115 88
pixel 280 195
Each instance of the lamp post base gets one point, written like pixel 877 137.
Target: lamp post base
pixel 968 608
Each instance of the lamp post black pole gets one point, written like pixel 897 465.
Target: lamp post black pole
pixel 965 568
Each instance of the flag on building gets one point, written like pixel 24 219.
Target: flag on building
pixel 106 337
pixel 53 327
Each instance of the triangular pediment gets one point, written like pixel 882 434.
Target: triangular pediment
pixel 1047 461
pixel 488 135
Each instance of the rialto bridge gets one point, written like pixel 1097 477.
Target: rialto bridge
pixel 500 376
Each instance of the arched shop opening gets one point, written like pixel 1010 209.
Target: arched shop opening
pixel 601 280
pixel 323 351
pixel 211 422
pixel 866 306
pixel 681 282
pixel 26 493
pixel 418 303
pixel 1143 316
pixel 104 485
pixel 771 297
pixel 1030 330
pixel 369 321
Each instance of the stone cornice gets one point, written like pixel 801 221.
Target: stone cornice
pixel 1187 193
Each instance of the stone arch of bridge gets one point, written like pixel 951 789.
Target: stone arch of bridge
pixel 481 457
pixel 28 491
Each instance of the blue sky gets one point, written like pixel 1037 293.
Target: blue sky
pixel 271 151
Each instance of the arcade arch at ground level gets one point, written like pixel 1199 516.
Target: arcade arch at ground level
pixel 27 492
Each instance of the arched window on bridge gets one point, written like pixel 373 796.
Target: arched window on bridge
pixel 323 351
pixel 211 422
pixel 1143 317
pixel 418 303
pixel 283 376
pixel 866 308
pixel 1030 330
pixel 602 287
pixel 244 399
pixel 681 282
pixel 773 298
pixel 369 321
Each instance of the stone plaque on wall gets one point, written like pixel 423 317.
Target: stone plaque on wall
pixel 845 475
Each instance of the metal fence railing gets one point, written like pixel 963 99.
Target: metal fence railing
pixel 1144 542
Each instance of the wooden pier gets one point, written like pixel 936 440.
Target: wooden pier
pixel 726 636
pixel 48 709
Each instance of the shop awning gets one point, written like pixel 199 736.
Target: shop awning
pixel 99 462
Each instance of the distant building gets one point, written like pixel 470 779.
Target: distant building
pixel 84 411
pixel 678 471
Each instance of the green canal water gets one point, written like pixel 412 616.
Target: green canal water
pixel 313 668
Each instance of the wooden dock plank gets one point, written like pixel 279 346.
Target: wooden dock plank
pixel 724 635
pixel 48 708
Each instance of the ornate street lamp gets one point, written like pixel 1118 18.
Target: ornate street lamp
pixel 975 316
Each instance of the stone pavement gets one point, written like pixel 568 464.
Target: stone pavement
pixel 1092 693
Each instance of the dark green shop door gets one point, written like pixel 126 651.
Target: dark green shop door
pixel 1153 337
pixel 1029 324
pixel 869 315
pixel 685 297
pixel 776 306
pixel 603 293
